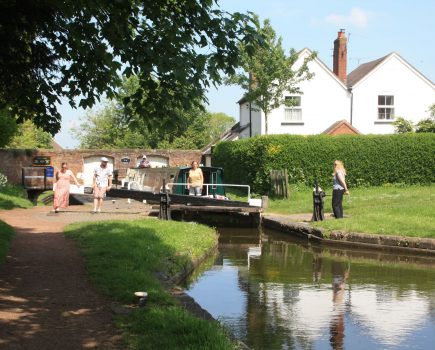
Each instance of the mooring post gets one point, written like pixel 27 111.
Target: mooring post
pixel 318 196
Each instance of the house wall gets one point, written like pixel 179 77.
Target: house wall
pixel 412 96
pixel 255 120
pixel 324 101
pixel 12 161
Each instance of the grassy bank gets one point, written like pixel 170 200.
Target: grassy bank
pixel 124 257
pixel 405 211
pixel 6 234
pixel 12 196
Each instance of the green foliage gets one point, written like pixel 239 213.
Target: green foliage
pixel 402 126
pixel 125 257
pixel 269 72
pixel 77 49
pixel 118 126
pixel 29 136
pixel 426 125
pixel 8 127
pixel 370 160
pixel 6 235
pixel 3 180
pixel 12 196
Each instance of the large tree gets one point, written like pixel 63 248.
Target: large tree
pixel 269 72
pixel 76 49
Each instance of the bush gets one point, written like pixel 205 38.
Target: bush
pixel 3 180
pixel 370 160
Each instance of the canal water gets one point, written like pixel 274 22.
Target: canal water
pixel 275 292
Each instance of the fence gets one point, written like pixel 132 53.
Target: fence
pixel 279 183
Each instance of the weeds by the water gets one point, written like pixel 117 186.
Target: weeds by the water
pixel 125 257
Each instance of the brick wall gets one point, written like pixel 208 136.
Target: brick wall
pixel 11 161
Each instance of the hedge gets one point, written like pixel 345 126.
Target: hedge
pixel 370 160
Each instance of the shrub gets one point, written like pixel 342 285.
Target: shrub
pixel 3 180
pixel 370 160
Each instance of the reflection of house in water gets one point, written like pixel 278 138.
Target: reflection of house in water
pixel 285 296
pixel 284 303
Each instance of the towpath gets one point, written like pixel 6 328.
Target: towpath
pixel 46 300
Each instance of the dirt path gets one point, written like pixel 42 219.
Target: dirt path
pixel 46 300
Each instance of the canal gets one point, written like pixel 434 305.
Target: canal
pixel 274 292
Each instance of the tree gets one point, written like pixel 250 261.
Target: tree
pixel 269 72
pixel 403 126
pixel 117 125
pixel 77 49
pixel 8 127
pixel 29 136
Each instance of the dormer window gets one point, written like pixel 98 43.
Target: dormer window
pixel 385 107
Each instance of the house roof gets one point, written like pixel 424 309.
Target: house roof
pixel 361 71
pixel 341 127
pixel 56 146
pixel 365 69
pixel 228 135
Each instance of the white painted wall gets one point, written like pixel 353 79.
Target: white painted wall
pixel 325 100
pixel 412 95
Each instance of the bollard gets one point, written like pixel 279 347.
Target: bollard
pixel 318 195
pixel 264 202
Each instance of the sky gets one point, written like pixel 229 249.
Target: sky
pixel 374 29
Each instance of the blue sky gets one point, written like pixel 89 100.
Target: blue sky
pixel 374 28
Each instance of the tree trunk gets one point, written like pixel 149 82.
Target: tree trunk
pixel 266 129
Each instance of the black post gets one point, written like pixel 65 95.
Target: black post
pixel 318 214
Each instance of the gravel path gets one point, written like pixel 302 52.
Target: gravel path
pixel 46 300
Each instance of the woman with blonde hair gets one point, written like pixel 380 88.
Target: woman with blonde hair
pixel 339 188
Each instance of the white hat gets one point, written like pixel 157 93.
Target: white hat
pixel 144 156
pixel 104 159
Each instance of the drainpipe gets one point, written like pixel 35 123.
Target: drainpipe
pixel 351 103
pixel 250 120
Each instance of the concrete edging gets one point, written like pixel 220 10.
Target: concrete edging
pixel 414 245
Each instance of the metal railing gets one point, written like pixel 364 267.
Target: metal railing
pixel 214 186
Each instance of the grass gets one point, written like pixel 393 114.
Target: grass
pixel 389 210
pixel 6 235
pixel 124 257
pixel 12 196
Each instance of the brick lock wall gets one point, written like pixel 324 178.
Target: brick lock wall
pixel 12 161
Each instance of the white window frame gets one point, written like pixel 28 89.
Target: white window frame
pixel 385 111
pixel 293 114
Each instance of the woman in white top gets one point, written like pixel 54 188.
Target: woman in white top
pixel 338 189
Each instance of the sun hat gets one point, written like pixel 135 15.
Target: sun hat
pixel 104 159
pixel 144 156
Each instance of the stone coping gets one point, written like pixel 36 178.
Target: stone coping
pixel 414 245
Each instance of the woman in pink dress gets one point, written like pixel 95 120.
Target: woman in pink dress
pixel 61 192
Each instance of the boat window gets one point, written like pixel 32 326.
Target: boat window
pixel 214 178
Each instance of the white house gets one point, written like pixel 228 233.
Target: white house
pixel 365 101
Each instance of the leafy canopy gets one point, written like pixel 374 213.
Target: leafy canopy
pixel 268 72
pixel 53 49
pixel 117 125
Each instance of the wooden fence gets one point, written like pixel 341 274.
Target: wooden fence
pixel 279 183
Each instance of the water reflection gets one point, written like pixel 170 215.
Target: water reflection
pixel 275 293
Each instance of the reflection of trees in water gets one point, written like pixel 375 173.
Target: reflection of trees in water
pixel 276 279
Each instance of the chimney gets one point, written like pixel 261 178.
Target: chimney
pixel 340 56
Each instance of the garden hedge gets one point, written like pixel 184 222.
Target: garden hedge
pixel 370 160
